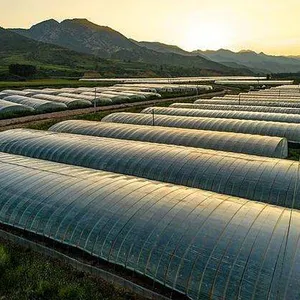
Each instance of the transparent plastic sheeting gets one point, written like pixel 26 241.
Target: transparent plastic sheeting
pixel 201 244
pixel 7 107
pixel 37 104
pixel 261 99
pixel 3 95
pixel 18 93
pixel 254 82
pixel 290 131
pixel 71 103
pixel 275 95
pixel 224 101
pixel 98 100
pixel 265 109
pixel 230 114
pixel 258 178
pixel 233 142
pixel 116 99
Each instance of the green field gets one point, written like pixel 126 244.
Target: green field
pixel 44 83
pixel 28 275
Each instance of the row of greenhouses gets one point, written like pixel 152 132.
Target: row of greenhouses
pixel 207 206
pixel 236 107
pixel 201 244
pixel 250 102
pixel 225 114
pixel 290 131
pixel 28 101
pixel 224 141
pixel 250 176
pixel 254 82
pixel 173 80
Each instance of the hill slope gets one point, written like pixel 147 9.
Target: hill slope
pixel 15 48
pixel 83 36
pixel 56 61
pixel 250 59
pixel 164 48
pixel 256 62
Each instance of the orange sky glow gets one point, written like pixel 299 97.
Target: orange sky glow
pixel 271 26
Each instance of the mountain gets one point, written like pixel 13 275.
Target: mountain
pixel 164 48
pixel 79 35
pixel 15 48
pixel 55 61
pixel 83 36
pixel 245 59
pixel 260 62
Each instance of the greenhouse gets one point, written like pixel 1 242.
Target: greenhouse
pixel 231 114
pixel 257 178
pixel 276 94
pixel 98 99
pixel 71 103
pixel 254 82
pixel 201 244
pixel 37 104
pixel 10 108
pixel 43 91
pixel 223 101
pixel 18 93
pixel 148 95
pixel 262 98
pixel 266 109
pixel 131 97
pixel 290 131
pixel 3 95
pixel 116 99
pixel 225 141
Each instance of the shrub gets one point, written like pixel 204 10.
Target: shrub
pixel 22 70
pixel 4 257
pixel 70 292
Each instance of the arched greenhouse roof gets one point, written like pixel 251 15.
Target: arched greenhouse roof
pixel 258 178
pixel 261 99
pixel 116 99
pixel 98 100
pixel 7 107
pixel 233 142
pixel 201 244
pixel 290 131
pixel 69 102
pixel 265 109
pixel 222 101
pixel 39 105
pixel 240 115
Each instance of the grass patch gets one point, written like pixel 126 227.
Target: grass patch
pixel 28 275
pixel 294 154
pixel 54 83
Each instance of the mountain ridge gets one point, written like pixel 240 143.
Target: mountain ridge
pixel 243 59
pixel 55 61
pixel 86 37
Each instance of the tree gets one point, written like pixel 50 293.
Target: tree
pixel 22 70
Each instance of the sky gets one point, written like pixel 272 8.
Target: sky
pixel 269 26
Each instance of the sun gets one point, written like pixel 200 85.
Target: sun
pixel 206 36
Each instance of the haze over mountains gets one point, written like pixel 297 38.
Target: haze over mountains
pixel 82 36
pixel 257 62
